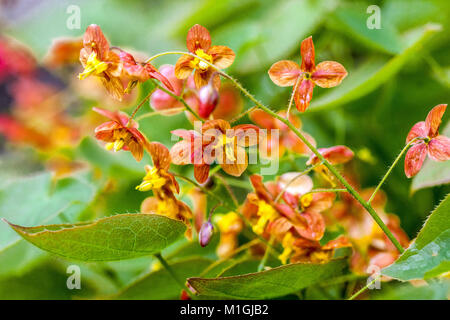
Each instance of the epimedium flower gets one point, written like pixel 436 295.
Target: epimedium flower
pixel 229 225
pixel 429 141
pixel 162 183
pixel 198 42
pixel 121 133
pixel 219 142
pixel 326 74
pixel 287 139
pixel 98 59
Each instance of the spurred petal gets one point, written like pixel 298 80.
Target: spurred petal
pixel 94 39
pixel 119 117
pixel 334 155
pixel 418 130
pixel 160 155
pixel 154 73
pixel 315 226
pixel 201 78
pixel 303 95
pixel 114 87
pixel 279 227
pixel 247 135
pixel 223 56
pixel 183 67
pixel 284 73
pixel 433 120
pixel 322 201
pixel 136 149
pixel 237 166
pixel 329 74
pixel 198 37
pixel 131 68
pixel 105 131
pixel 414 159
pixel 260 189
pixel 308 56
pixel 439 148
pixel 201 172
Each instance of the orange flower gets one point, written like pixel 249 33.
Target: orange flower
pixel 437 146
pixel 164 186
pixel 287 138
pixel 326 74
pixel 230 225
pixel 217 142
pixel 120 134
pixel 64 51
pixel 97 59
pixel 198 42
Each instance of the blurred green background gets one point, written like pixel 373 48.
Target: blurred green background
pixel 396 73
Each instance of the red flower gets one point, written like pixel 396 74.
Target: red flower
pixel 119 134
pixel 217 142
pixel 334 155
pixel 326 74
pixel 97 59
pixel 437 146
pixel 287 138
pixel 198 41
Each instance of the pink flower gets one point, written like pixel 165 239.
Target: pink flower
pixel 437 146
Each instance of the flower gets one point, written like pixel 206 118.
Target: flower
pixel 64 51
pixel 198 42
pixel 206 233
pixel 217 142
pixel 287 139
pixel 230 225
pixel 164 186
pixel 208 98
pixel 326 74
pixel 121 133
pixel 97 59
pixel 428 141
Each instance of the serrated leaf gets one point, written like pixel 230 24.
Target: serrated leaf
pixel 373 73
pixel 118 237
pixel 433 173
pixel 429 254
pixel 268 284
pixel 158 285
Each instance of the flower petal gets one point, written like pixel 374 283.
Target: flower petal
pixel 294 183
pixel 284 73
pixel 329 74
pixel 334 155
pixel 202 78
pixel 201 172
pixel 223 56
pixel 418 130
pixel 247 134
pixel 303 95
pixel 414 159
pixel 198 37
pixel 439 148
pixel 136 149
pixel 154 73
pixel 160 155
pixel 181 152
pixel 433 120
pixel 322 201
pixel 94 39
pixel 308 55
pixel 261 191
pixel 114 87
pixel 183 67
pixel 315 226
pixel 237 166
pixel 263 119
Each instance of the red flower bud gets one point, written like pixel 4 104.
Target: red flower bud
pixel 205 234
pixel 208 97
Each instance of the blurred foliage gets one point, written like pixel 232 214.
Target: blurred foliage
pixel 396 75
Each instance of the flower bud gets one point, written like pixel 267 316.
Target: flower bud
pixel 208 97
pixel 206 233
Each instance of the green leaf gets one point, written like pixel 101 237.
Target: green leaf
pixel 373 73
pixel 37 200
pixel 160 284
pixel 433 173
pixel 429 255
pixel 118 237
pixel 268 284
pixel 437 290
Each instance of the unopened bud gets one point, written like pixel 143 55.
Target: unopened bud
pixel 206 233
pixel 208 97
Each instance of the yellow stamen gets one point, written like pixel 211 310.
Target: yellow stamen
pixel 305 201
pixel 287 243
pixel 199 64
pixel 118 144
pixel 228 144
pixel 152 180
pixel 109 146
pixel 266 214
pixel 93 66
pixel 228 221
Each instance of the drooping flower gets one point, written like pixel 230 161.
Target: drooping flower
pixel 119 133
pixel 326 74
pixel 206 233
pixel 198 42
pixel 287 139
pixel 97 59
pixel 217 142
pixel 162 182
pixel 429 142
pixel 230 225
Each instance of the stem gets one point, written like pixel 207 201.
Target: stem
pixel 363 289
pixel 327 190
pixel 171 272
pixel 155 113
pixel 229 190
pixel 330 167
pixel 139 106
pixel 180 99
pixel 243 114
pixel 266 255
pixel 292 96
pixel 392 167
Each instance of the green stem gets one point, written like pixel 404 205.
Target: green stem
pixel 155 113
pixel 266 254
pixel 330 167
pixel 326 190
pixel 292 97
pixel 139 106
pixel 180 99
pixel 171 272
pixel 363 289
pixel 392 167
